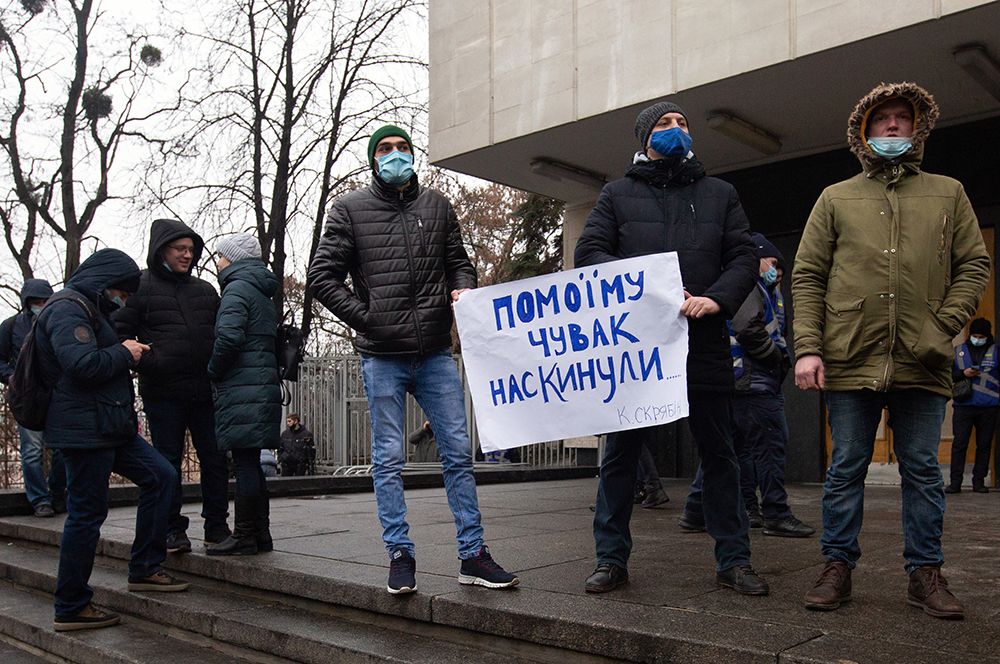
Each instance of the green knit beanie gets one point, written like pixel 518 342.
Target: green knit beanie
pixel 382 132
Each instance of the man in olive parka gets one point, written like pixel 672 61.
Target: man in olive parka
pixel 890 268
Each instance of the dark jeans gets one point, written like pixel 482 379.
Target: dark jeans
pixel 36 489
pixel 985 422
pixel 761 444
pixel 168 421
pixel 88 472
pixel 725 518
pixel 648 474
pixel 915 417
pixel 249 475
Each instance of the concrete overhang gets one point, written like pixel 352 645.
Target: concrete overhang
pixel 804 102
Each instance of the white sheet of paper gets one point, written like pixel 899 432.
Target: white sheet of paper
pixel 586 351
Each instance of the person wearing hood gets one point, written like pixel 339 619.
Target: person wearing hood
pixel 174 313
pixel 46 498
pixel 243 369
pixel 890 268
pixel 91 419
pixel 975 362
pixel 761 360
pixel 402 247
pixel 665 202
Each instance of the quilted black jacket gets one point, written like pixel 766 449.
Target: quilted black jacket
pixel 176 314
pixel 664 206
pixel 404 254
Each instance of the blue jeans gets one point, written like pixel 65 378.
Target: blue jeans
pixel 720 500
pixel 433 380
pixel 915 417
pixel 168 421
pixel 33 469
pixel 88 471
pixel 761 444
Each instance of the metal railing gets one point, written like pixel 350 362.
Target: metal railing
pixel 330 398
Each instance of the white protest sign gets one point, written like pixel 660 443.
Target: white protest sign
pixel 586 351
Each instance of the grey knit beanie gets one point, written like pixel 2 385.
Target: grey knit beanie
pixel 238 246
pixel 647 119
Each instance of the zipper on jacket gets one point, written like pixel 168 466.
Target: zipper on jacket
pixel 413 277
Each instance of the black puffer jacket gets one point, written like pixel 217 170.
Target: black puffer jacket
pixel 662 206
pixel 175 313
pixel 404 253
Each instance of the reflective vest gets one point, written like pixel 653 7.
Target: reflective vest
pixel 774 319
pixel 985 386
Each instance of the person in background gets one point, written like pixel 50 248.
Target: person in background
pixel 297 450
pixel 976 362
pixel 92 420
pixel 424 446
pixel 268 463
pixel 244 371
pixel 46 498
pixel 174 313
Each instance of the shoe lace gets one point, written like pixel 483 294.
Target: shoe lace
pixel 831 574
pixel 403 563
pixel 747 570
pixel 935 580
pixel 486 560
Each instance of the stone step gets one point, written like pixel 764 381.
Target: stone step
pixel 302 633
pixel 575 627
pixel 20 654
pixel 27 617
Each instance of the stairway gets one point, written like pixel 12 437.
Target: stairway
pixel 215 622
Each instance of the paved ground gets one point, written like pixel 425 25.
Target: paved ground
pixel 543 532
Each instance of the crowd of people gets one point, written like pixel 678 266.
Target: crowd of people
pixel 890 268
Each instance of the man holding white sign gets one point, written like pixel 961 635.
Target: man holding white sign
pixel 665 203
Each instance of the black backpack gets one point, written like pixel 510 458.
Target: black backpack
pixel 28 394
pixel 289 346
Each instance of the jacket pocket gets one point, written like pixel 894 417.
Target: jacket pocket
pixel 944 246
pixel 115 417
pixel 843 333
pixel 933 347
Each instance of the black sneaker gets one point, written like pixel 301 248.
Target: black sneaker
pixel 787 527
pixel 161 582
pixel 691 524
pixel 482 570
pixel 44 511
pixel 178 543
pixel 743 579
pixel 402 573
pixel 755 517
pixel 953 488
pixel 89 618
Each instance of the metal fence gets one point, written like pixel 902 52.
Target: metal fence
pixel 330 398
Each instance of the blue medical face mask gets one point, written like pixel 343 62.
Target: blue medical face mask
pixel 395 168
pixel 673 142
pixel 36 309
pixel 978 341
pixel 770 276
pixel 116 300
pixel 890 147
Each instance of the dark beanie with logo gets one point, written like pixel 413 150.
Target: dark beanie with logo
pixel 980 326
pixel 383 132
pixel 648 117
pixel 766 249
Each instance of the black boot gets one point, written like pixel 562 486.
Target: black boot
pixel 263 531
pixel 243 541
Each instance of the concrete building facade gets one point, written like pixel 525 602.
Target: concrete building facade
pixel 542 95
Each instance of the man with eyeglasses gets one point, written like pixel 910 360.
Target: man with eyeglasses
pixel 174 313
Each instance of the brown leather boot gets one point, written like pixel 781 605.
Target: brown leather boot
pixel 832 588
pixel 929 590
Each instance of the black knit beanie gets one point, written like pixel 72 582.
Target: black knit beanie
pixel 980 326
pixel 647 119
pixel 766 248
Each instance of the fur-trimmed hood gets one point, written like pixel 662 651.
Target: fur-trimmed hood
pixel 925 116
